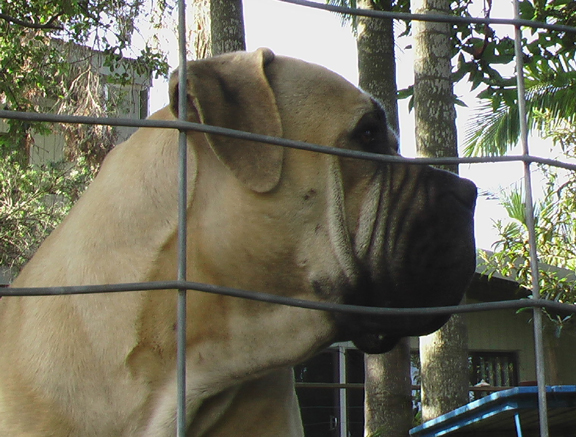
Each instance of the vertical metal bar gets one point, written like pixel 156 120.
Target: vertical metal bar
pixel 538 337
pixel 518 425
pixel 343 419
pixel 182 220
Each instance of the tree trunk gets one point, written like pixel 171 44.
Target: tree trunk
pixel 218 27
pixel 444 371
pixel 433 90
pixel 200 38
pixel 227 18
pixel 443 354
pixel 388 396
pixel 388 393
pixel 376 60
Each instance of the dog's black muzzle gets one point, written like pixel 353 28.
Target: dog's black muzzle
pixel 428 260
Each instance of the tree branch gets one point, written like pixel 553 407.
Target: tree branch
pixel 46 26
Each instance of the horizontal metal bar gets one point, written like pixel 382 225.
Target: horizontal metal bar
pixel 432 17
pixel 360 386
pixel 301 145
pixel 282 300
pixel 330 385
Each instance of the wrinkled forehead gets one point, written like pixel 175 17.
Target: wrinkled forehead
pixel 313 91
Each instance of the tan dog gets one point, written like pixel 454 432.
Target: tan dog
pixel 264 218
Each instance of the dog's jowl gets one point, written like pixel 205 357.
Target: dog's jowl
pixel 260 217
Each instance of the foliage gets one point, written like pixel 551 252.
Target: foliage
pixel 33 200
pixel 38 62
pixel 555 225
pixel 62 56
pixel 548 58
pixel 484 58
pixel 480 50
pixel 378 5
pixel 550 102
pixel 550 79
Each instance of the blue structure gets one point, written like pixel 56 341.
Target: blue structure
pixel 507 413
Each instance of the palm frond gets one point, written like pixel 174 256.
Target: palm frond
pixel 346 19
pixel 515 205
pixel 493 132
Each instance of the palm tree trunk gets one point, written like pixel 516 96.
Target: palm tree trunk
pixel 388 395
pixel 388 400
pixel 376 60
pixel 218 27
pixel 433 90
pixel 443 354
pixel 227 18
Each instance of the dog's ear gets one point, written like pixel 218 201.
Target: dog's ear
pixel 232 91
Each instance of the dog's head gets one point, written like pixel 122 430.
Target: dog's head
pixel 318 226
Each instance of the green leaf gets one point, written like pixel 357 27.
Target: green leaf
pixel 527 10
pixel 460 103
pixel 406 92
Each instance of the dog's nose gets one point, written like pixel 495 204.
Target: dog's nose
pixel 466 192
pixel 448 185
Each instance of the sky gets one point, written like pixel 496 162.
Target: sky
pixel 319 36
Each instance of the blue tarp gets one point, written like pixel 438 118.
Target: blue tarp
pixel 512 412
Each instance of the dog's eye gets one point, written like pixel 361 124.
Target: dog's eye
pixel 370 138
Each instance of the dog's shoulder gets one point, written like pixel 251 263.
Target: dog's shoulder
pixel 162 114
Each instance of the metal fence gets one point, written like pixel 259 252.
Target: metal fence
pixel 182 285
